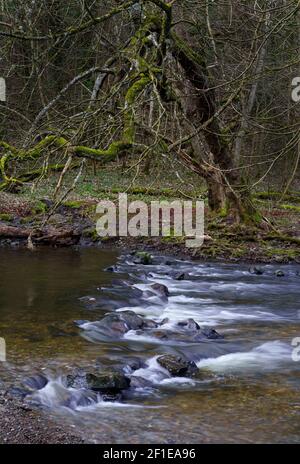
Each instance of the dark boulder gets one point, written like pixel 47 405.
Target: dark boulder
pixel 189 324
pixel 160 289
pixel 179 276
pixel 111 269
pixel 108 382
pixel 257 270
pixel 177 366
pixel 117 324
pixel 77 381
pixel 279 273
pixel 211 334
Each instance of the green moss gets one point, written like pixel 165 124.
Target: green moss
pixel 291 208
pixel 144 257
pixel 273 195
pixel 39 207
pixel 75 204
pixel 191 54
pixel 110 154
pixel 91 233
pixel 223 212
pixel 289 253
pixel 26 220
pixel 6 217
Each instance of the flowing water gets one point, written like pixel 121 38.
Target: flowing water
pixel 249 391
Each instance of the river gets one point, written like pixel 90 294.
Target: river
pixel 249 391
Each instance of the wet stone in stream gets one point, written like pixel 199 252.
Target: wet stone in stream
pixel 177 366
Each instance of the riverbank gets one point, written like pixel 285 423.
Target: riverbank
pixel 19 424
pixel 73 223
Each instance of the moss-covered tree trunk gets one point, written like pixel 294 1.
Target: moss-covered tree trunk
pixel 199 103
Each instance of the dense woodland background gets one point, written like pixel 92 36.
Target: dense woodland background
pixel 192 93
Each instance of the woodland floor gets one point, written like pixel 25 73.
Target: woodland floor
pixel 73 222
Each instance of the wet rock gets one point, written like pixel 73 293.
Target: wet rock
pixel 77 381
pixel 108 382
pixel 204 334
pixel 111 269
pixel 188 332
pixel 211 334
pixel 279 273
pixel 132 320
pixel 150 324
pixel 35 382
pixel 189 324
pixel 160 290
pixel 177 366
pixel 179 276
pixel 257 270
pixel 111 325
pixel 117 324
pixel 143 257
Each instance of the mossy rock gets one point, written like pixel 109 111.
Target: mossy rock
pixel 177 366
pixel 143 257
pixel 91 232
pixel 112 382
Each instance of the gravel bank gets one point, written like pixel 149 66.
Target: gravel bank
pixel 19 424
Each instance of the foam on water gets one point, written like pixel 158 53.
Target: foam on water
pixel 268 356
pixel 157 375
pixel 56 395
